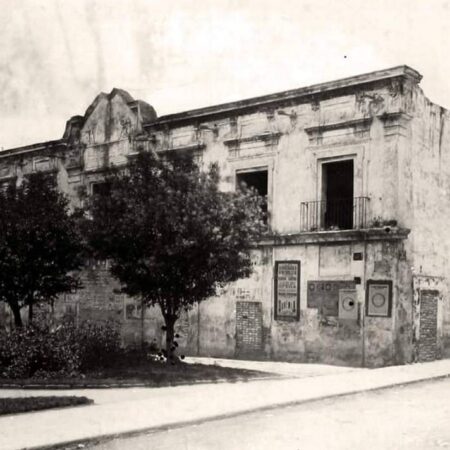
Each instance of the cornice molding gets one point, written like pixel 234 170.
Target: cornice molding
pixel 360 128
pixel 304 94
pixel 196 146
pixel 340 236
pixel 268 137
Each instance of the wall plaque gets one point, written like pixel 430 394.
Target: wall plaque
pixel 324 295
pixel 379 298
pixel 348 304
pixel 287 290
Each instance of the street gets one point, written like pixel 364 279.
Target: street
pixel 416 416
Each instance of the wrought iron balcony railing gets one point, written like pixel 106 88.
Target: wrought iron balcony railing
pixel 334 214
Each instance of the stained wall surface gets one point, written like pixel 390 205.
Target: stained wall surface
pixel 398 142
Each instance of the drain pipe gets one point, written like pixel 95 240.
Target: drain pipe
pixel 363 310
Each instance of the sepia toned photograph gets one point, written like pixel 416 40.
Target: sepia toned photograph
pixel 224 224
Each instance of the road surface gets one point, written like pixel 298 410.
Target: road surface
pixel 405 417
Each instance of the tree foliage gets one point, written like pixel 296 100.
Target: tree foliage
pixel 173 237
pixel 39 244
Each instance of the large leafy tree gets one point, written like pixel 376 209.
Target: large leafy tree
pixel 40 245
pixel 172 236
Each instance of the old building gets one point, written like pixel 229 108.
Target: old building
pixel 357 178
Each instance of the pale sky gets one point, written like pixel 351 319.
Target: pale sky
pixel 57 55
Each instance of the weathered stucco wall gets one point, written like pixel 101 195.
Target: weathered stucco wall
pixel 430 205
pixel 399 144
pixel 368 125
pixel 293 142
pixel 315 336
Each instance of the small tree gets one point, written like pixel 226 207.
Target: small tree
pixel 173 237
pixel 39 245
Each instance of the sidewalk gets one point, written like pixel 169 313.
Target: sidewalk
pixel 296 370
pixel 119 411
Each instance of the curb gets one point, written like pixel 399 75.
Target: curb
pixel 81 443
pixel 126 385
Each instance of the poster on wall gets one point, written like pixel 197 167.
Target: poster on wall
pixel 287 290
pixel 324 295
pixel 348 304
pixel 379 298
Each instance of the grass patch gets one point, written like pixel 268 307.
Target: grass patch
pixel 25 404
pixel 149 373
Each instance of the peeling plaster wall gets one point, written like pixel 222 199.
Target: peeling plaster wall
pixel 396 140
pixel 429 200
pixel 106 132
pixel 292 142
pixel 314 337
pixel 317 338
pixel 430 206
pixel 210 329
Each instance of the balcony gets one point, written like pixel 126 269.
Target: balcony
pixel 335 214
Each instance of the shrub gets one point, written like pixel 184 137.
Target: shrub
pixel 99 345
pixel 33 351
pixel 64 351
pixel 25 404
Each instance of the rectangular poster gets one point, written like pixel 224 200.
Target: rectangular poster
pixel 379 298
pixel 287 290
pixel 324 295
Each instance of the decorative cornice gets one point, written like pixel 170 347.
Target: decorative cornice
pixel 394 122
pixel 306 94
pixel 50 170
pixel 360 128
pixel 183 148
pixel 18 151
pixel 341 236
pixel 101 169
pixel 268 137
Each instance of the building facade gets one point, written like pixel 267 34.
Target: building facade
pixel 357 178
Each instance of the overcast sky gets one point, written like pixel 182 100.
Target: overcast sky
pixel 56 56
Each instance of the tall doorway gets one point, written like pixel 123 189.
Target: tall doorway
pixel 337 194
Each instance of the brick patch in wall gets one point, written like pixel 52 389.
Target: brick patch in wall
pixel 428 326
pixel 248 327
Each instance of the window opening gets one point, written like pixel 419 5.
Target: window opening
pixel 257 180
pixel 100 188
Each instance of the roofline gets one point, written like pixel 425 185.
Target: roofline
pixel 315 89
pixel 403 71
pixel 31 148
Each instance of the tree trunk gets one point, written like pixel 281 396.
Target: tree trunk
pixel 16 313
pixel 170 338
pixel 30 314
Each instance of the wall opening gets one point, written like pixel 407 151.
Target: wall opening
pixel 100 188
pixel 337 194
pixel 258 180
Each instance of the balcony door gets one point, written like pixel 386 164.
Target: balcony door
pixel 337 192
